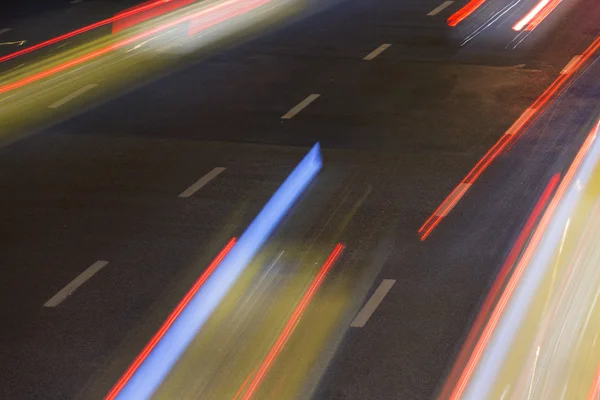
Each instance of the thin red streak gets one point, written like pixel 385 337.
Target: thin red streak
pixel 594 393
pixel 108 49
pixel 464 12
pixel 79 31
pixel 167 324
pixel 518 128
pixel 519 270
pixel 168 6
pixel 499 283
pixel 292 322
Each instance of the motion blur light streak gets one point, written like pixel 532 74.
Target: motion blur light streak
pixel 151 372
pixel 243 387
pixel 115 46
pixel 542 16
pixel 197 25
pixel 537 14
pixel 499 283
pixel 511 136
pixel 87 28
pixel 464 12
pixel 519 270
pixel 167 324
pixel 595 389
pixel 136 15
pixel 292 323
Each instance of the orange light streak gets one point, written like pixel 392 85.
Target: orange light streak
pixel 464 12
pixel 292 322
pixel 499 283
pixel 519 270
pixel 87 28
pixel 537 14
pixel 105 50
pixel 170 320
pixel 516 131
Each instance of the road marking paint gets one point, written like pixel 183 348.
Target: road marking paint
pixel 518 124
pixel 71 96
pixel 440 8
pixel 452 200
pixel 16 43
pixel 75 283
pixel 200 183
pixel 300 106
pixel 369 308
pixel 377 52
pixel 4 30
pixel 570 65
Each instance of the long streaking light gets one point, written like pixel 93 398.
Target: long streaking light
pixel 536 15
pixel 594 393
pixel 167 324
pixel 464 12
pixel 520 269
pixel 290 325
pixel 124 14
pixel 508 139
pixel 146 377
pixel 115 46
pixel 497 286
pixel 137 16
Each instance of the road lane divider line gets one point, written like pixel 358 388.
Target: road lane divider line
pixel 4 30
pixel 371 305
pixel 151 367
pixel 75 283
pixel 377 52
pixel 73 95
pixel 300 106
pixel 570 65
pixel 200 183
pixel 292 323
pixel 514 133
pixel 440 8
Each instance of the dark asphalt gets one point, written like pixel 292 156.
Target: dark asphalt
pixel 410 124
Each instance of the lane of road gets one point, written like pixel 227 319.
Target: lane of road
pixel 128 160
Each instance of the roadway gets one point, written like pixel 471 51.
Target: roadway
pixel 409 124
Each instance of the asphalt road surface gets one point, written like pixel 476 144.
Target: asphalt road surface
pixel 405 127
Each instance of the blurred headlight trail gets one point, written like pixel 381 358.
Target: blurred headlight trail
pixel 249 391
pixel 508 139
pixel 147 375
pixel 537 14
pixel 221 6
pixel 544 322
pixel 123 15
pixel 464 12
